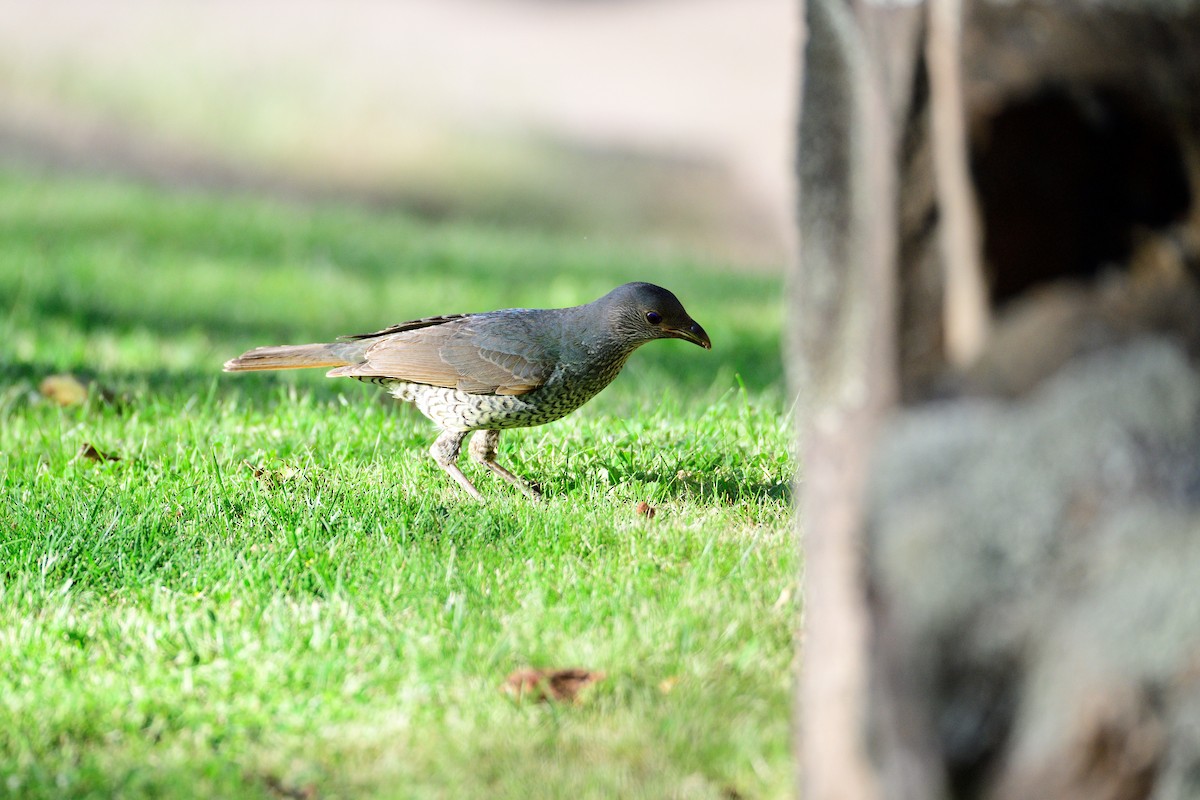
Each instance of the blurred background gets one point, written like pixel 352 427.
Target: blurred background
pixel 664 123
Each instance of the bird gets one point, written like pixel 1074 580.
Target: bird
pixel 478 374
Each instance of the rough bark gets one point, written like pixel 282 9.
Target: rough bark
pixel 845 365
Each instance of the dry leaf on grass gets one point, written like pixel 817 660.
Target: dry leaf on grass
pixel 272 478
pixel 646 510
pixel 540 685
pixel 66 390
pixel 278 788
pixel 90 452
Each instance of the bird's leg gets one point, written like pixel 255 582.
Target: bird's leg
pixel 483 450
pixel 445 452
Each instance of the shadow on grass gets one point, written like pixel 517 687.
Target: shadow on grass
pixel 128 390
pixel 332 271
pixel 727 489
pixel 753 358
pixel 730 490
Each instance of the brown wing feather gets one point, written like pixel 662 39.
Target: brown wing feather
pixel 478 354
pixel 411 325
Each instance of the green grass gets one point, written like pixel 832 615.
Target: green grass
pixel 274 592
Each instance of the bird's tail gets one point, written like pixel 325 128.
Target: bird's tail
pixel 292 356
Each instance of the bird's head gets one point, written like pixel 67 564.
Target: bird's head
pixel 642 312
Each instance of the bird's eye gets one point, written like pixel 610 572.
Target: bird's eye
pixel 653 317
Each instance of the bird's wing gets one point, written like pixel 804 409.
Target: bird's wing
pixel 475 353
pixel 399 327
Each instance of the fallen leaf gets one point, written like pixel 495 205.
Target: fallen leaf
pixel 66 390
pixel 277 787
pixel 90 452
pixel 646 510
pixel 273 478
pixel 540 685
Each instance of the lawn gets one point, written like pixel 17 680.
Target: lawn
pixel 261 586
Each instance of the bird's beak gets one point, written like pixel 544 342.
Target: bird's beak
pixel 692 333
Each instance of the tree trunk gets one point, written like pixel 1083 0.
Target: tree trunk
pixel 994 337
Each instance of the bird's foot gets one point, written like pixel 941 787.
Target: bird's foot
pixel 483 450
pixel 530 490
pixel 445 452
pixel 463 481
